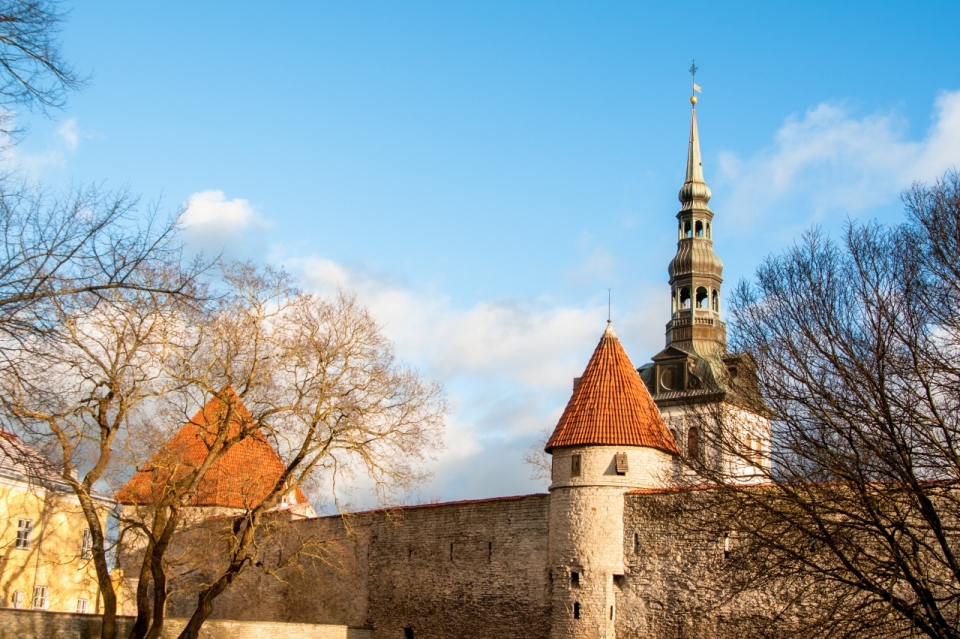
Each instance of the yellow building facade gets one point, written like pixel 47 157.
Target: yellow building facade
pixel 46 561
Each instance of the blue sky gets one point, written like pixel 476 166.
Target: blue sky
pixel 480 173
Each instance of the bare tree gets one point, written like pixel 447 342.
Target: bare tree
pixel 857 354
pixel 79 385
pixel 33 71
pixel 541 467
pixel 315 378
pixel 87 282
pixel 85 241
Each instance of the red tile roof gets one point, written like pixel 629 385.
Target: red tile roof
pixel 242 478
pixel 611 406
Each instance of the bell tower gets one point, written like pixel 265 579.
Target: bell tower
pixel 695 271
pixel 708 397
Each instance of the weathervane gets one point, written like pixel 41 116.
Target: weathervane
pixel 696 87
pixel 608 306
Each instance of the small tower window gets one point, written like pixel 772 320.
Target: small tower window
pixel 575 465
pixel 685 298
pixel 703 298
pixel 716 301
pixel 622 466
pixel 575 579
pixel 576 610
pixel 408 633
pixel 709 232
pixel 687 230
pixel 693 443
pixel 699 228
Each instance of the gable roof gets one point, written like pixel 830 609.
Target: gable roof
pixel 611 405
pixel 21 463
pixel 242 478
pixel 19 460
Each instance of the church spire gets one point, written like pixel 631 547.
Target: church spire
pixel 694 193
pixel 694 165
pixel 696 272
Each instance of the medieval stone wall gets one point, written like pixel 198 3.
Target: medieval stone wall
pixel 468 570
pixel 317 572
pixel 457 570
pixel 682 579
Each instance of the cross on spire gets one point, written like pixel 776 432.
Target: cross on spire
pixel 695 89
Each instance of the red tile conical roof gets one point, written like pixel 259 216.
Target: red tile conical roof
pixel 242 478
pixel 611 406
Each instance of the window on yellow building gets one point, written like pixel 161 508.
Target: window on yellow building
pixel 24 531
pixel 40 597
pixel 83 606
pixel 86 547
pixel 16 599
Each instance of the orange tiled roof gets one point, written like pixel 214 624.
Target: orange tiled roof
pixel 611 406
pixel 242 478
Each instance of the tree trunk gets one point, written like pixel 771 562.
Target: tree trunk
pixel 159 598
pixel 159 575
pixel 108 627
pixel 142 624
pixel 108 623
pixel 206 598
pixel 246 532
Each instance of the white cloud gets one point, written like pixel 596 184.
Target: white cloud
pixel 508 367
pixel 528 341
pixel 55 152
pixel 70 134
pixel 211 210
pixel 214 224
pixel 830 160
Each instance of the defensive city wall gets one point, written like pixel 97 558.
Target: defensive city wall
pixel 460 569
pixel 479 569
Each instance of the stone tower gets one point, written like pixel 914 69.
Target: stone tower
pixel 610 439
pixel 706 395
